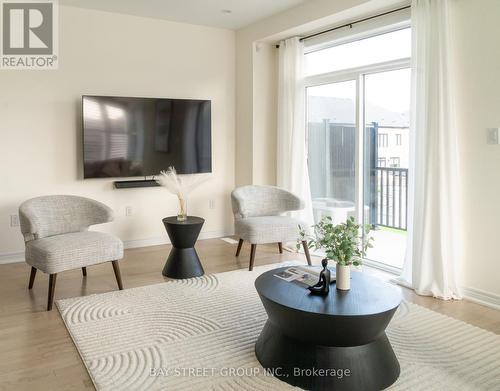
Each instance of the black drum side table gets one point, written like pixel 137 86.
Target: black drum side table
pixel 183 261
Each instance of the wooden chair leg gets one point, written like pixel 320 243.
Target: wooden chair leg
pixel 32 277
pixel 280 246
pixel 306 251
pixel 118 276
pixel 252 256
pixel 240 243
pixel 52 287
pixel 84 271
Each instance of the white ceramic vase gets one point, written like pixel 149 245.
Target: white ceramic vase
pixel 343 277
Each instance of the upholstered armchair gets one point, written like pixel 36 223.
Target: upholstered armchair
pixel 55 230
pixel 258 218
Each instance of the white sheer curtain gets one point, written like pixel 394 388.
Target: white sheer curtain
pixel 292 173
pixel 433 255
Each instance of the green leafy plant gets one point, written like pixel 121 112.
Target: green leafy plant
pixel 343 243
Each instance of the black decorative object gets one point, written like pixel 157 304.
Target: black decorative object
pixel 322 287
pixel 183 261
pixel 344 331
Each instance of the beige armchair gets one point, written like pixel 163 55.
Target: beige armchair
pixel 258 218
pixel 55 230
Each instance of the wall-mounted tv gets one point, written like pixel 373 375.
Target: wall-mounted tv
pixel 126 137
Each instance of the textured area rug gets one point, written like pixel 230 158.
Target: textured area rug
pixel 199 334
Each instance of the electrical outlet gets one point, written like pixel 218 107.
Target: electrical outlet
pixel 128 211
pixel 492 137
pixel 14 220
pixel 211 204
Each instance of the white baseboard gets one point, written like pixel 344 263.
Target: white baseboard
pixel 15 257
pixel 6 258
pixel 479 296
pixel 159 240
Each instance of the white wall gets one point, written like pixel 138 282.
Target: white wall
pixel 478 98
pixel 265 106
pixel 113 54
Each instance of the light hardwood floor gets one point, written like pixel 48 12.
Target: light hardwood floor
pixel 36 352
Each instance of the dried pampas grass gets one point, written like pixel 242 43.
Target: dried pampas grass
pixel 181 185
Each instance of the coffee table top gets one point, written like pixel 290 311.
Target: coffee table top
pixel 368 295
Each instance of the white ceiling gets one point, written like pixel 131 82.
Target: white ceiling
pixel 203 12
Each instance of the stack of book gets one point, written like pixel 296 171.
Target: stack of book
pixel 303 275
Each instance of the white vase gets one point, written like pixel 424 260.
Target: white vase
pixel 343 277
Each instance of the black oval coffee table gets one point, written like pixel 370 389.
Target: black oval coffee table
pixel 336 342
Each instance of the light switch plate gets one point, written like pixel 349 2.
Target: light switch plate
pixel 492 136
pixel 14 221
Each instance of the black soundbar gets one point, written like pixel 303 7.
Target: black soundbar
pixel 139 183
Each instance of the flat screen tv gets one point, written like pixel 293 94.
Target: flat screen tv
pixel 126 137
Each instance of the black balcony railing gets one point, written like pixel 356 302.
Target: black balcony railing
pixel 332 172
pixel 390 196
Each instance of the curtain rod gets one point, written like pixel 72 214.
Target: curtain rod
pixel 351 24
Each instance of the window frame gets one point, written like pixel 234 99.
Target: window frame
pixel 362 37
pixel 383 140
pixel 394 162
pixel 376 26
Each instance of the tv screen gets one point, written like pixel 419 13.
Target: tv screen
pixel 125 137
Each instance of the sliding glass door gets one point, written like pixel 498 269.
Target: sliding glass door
pixel 358 139
pixel 386 163
pixel 331 132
